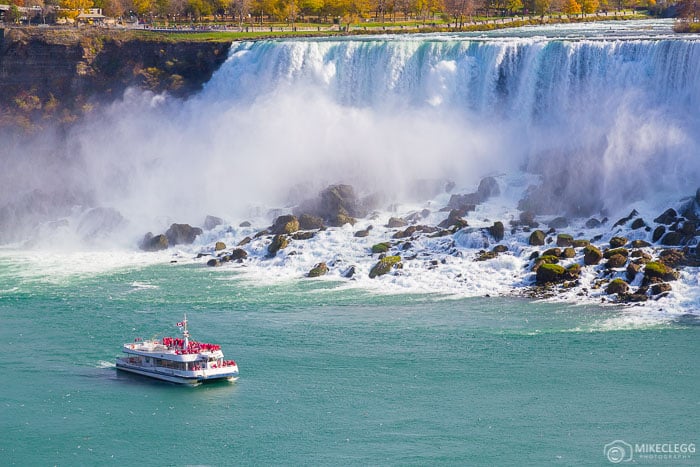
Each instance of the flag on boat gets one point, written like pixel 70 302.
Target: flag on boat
pixel 180 324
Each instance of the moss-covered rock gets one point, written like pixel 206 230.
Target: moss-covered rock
pixel 564 240
pixel 552 252
pixel 319 270
pixel 285 225
pixel 617 286
pixel 616 261
pixel 550 273
pixel 573 272
pixel 381 247
pixel 655 271
pixel 591 255
pixel 537 238
pixel 279 242
pixel 385 265
pixel 580 243
pixel 568 253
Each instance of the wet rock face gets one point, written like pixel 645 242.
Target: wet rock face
pixel 182 234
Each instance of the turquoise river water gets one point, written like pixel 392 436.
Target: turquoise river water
pixel 333 376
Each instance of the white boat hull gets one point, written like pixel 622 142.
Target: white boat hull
pixel 163 375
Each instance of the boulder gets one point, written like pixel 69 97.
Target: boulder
pixel 591 255
pixel 396 222
pixel 245 224
pixel 381 247
pixel 219 246
pixel 182 234
pixel 625 220
pixel 211 222
pixel 361 233
pixel 656 271
pixel 214 262
pixel 285 225
pixel 616 251
pixel 617 242
pixel 488 187
pixel 536 238
pixel 672 257
pixel 454 218
pixel 154 243
pixel 580 243
pixel 340 220
pixel 572 272
pixel 278 243
pixel 658 233
pixel 568 253
pixel 306 235
pixel 319 270
pixel 558 223
pixel 616 261
pixel 638 223
pixel 349 272
pixel 385 265
pixel 245 241
pixel 632 270
pixel 528 218
pixel 552 252
pixel 564 240
pixel 464 203
pixel 406 233
pixel 310 222
pixel 497 231
pixel 336 203
pixel 238 254
pixel 550 273
pixel 668 217
pixel 593 223
pixel 660 288
pixel 639 244
pixel 617 286
pixel 500 249
pixel 672 238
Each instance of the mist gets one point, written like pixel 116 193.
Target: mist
pixel 605 124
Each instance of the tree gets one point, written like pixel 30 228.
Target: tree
pixel 72 8
pixel 514 6
pixel 541 7
pixel 571 7
pixel 589 6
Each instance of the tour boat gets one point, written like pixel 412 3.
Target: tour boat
pixel 177 360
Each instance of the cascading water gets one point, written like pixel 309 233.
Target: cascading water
pixel 605 120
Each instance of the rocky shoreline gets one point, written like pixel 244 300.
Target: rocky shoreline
pixel 619 269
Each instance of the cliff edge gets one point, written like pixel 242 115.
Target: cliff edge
pixel 57 75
